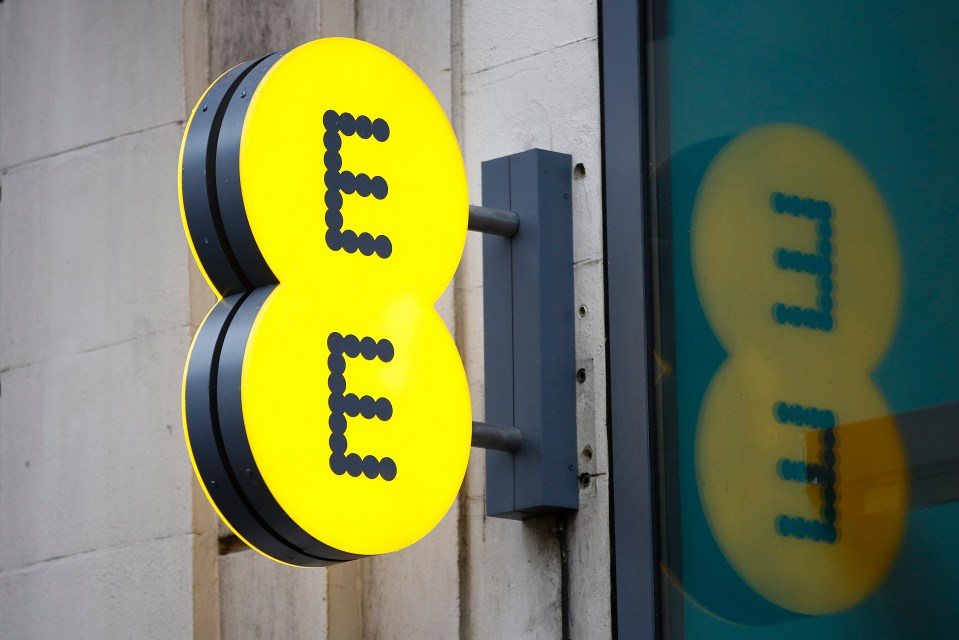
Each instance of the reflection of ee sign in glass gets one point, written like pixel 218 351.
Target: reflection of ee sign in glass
pixel 326 408
pixel 798 271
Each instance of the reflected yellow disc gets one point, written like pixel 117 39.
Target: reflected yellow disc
pixel 797 267
pixel 735 234
pixel 738 448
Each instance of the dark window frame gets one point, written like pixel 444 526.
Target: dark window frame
pixel 627 188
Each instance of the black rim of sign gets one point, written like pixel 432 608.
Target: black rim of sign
pixel 223 240
pixel 226 167
pixel 198 179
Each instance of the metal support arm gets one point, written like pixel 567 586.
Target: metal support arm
pixel 497 437
pixel 494 221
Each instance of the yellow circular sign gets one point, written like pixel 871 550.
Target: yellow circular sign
pixel 324 196
pixel 799 465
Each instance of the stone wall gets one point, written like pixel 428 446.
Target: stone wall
pixel 96 532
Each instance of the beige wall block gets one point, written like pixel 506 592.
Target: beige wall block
pixel 92 452
pixel 264 600
pixel 502 32
pixel 75 73
pixel 414 593
pixel 138 591
pixel 418 33
pixel 244 29
pixel 514 578
pixel 549 101
pixel 91 248
pixel 469 315
pixel 589 542
pixel 345 601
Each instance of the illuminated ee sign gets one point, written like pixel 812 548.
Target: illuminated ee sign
pixel 326 408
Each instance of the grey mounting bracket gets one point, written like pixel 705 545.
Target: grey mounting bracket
pixel 529 345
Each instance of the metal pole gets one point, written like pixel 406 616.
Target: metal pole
pixel 494 436
pixel 495 221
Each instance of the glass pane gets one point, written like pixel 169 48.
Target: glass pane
pixel 807 283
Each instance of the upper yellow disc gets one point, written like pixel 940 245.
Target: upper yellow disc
pixel 736 234
pixel 282 171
